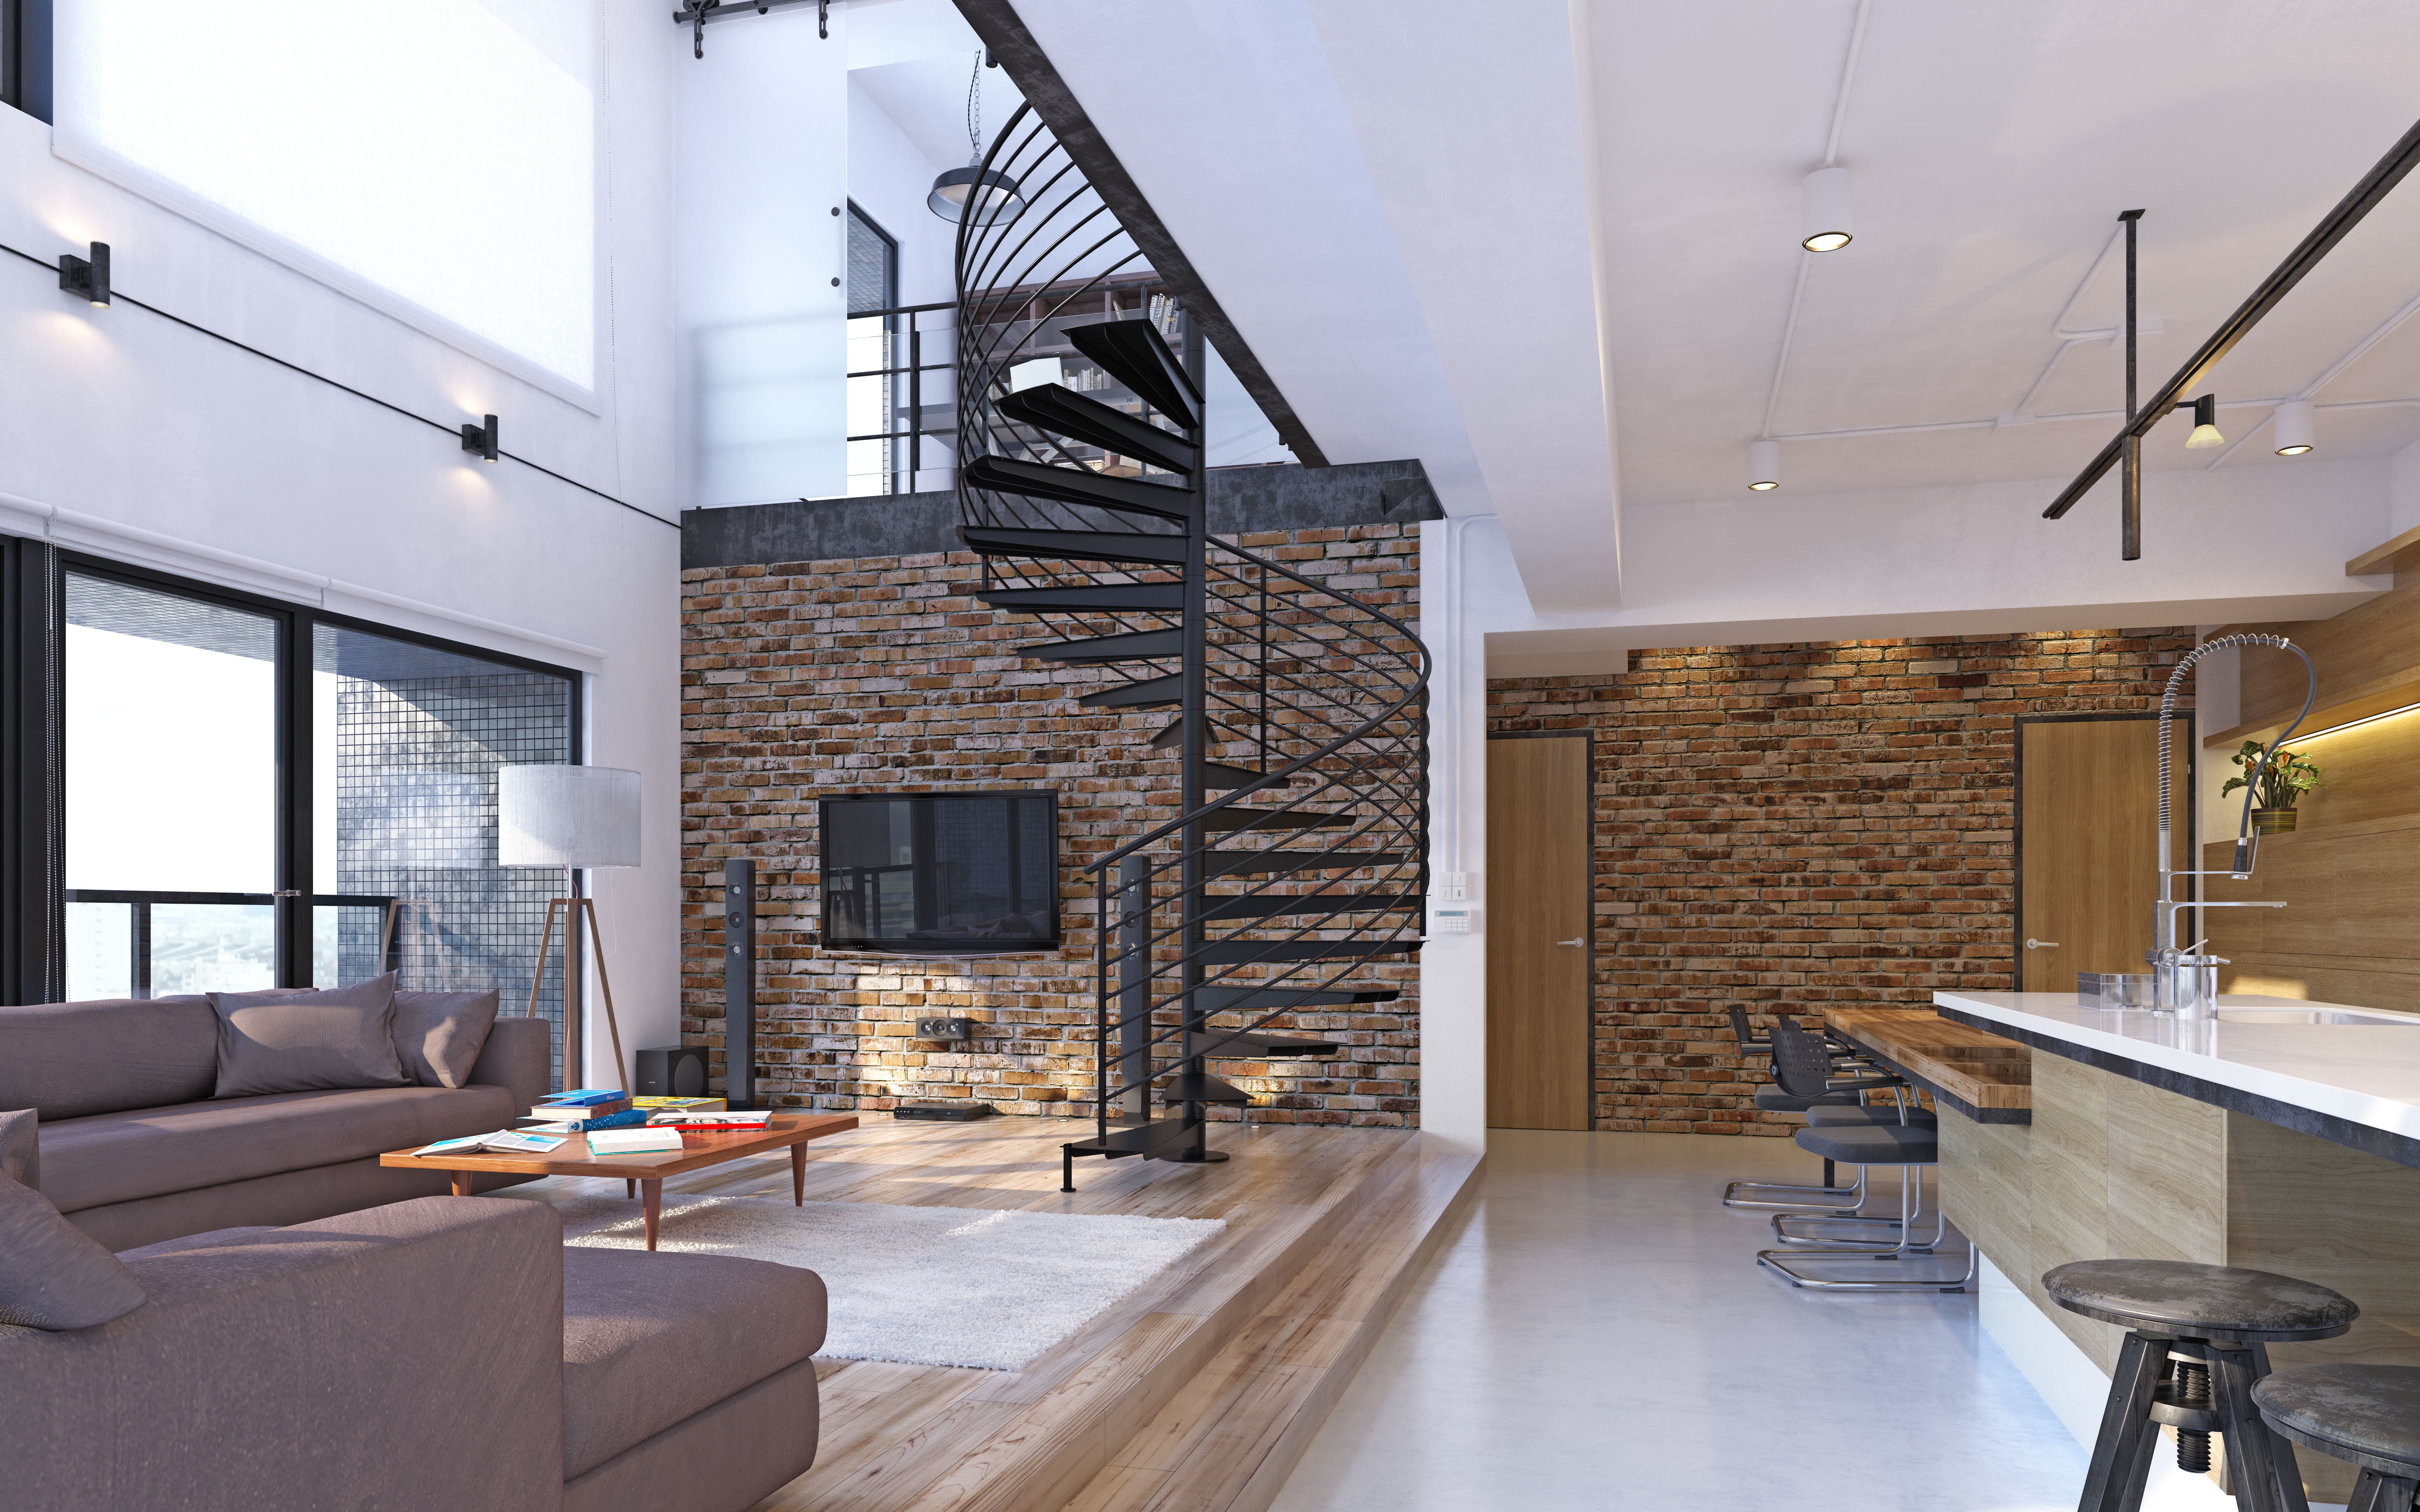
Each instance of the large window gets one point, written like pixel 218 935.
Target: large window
pixel 250 794
pixel 372 144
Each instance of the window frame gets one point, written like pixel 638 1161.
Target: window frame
pixel 890 265
pixel 33 721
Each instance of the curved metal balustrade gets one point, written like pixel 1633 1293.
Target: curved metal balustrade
pixel 1291 853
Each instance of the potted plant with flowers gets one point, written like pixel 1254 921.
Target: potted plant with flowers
pixel 2283 781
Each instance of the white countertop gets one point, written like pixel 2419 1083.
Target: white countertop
pixel 2360 1064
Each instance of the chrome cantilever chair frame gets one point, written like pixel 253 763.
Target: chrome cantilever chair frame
pixel 1785 1196
pixel 1799 1065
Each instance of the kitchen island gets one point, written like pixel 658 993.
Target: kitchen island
pixel 2280 1135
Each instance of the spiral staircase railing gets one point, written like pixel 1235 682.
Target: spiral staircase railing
pixel 1292 853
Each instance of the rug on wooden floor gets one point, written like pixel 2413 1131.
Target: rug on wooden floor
pixel 990 1288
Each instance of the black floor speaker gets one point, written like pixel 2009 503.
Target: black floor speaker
pixel 675 1070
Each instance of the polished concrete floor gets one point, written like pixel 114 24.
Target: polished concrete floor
pixel 1599 1337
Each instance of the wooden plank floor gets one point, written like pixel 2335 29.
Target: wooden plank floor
pixel 899 1438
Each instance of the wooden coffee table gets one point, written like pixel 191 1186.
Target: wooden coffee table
pixel 644 1174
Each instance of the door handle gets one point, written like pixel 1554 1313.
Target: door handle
pixel 1581 941
pixel 2032 944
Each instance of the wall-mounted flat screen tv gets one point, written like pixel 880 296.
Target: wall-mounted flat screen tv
pixel 941 874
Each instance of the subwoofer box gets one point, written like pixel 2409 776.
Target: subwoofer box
pixel 673 1071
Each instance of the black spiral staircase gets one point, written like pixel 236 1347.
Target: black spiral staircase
pixel 1291 853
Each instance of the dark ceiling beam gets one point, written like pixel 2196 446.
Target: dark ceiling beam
pixel 1014 47
pixel 2374 187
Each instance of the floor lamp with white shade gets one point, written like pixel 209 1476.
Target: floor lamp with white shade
pixel 574 817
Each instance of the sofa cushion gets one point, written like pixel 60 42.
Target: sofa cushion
pixel 53 1275
pixel 438 1035
pixel 290 1042
pixel 66 1060
pixel 145 1153
pixel 650 1338
pixel 20 1149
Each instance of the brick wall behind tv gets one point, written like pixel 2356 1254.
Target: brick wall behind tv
pixel 813 679
pixel 1789 827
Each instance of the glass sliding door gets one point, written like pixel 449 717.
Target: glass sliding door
pixel 404 743
pixel 171 790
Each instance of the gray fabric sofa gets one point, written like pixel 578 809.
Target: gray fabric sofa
pixel 134 1149
pixel 442 1352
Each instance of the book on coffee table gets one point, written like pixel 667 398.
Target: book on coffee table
pixel 633 1141
pixel 502 1142
pixel 715 1119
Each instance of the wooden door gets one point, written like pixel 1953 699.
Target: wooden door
pixel 1539 1058
pixel 2087 844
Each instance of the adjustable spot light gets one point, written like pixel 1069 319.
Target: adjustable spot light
pixel 1824 200
pixel 2295 428
pixel 2205 431
pixel 1763 466
pixel 480 440
pixel 87 276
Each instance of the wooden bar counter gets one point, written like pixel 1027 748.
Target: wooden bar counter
pixel 1966 1070
pixel 2280 1135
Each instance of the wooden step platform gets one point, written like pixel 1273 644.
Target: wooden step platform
pixel 1235 1355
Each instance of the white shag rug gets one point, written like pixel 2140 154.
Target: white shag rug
pixel 990 1288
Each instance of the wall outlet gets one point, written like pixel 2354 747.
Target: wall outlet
pixel 945 1028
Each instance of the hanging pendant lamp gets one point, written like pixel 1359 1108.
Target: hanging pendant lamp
pixel 975 189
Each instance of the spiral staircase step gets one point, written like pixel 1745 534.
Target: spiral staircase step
pixel 1062 411
pixel 1088 598
pixel 1251 952
pixel 1139 645
pixel 1314 903
pixel 1079 485
pixel 1133 353
pixel 1148 693
pixel 1080 545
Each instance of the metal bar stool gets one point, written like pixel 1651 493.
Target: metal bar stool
pixel 2195 1351
pixel 1772 1099
pixel 2364 1415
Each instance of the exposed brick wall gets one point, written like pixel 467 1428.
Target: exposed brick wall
pixel 806 680
pixel 1788 827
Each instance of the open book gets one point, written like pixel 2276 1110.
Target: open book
pixel 502 1142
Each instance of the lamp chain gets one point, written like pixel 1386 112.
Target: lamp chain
pixel 974 110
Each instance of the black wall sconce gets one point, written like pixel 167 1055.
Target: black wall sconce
pixel 480 440
pixel 87 277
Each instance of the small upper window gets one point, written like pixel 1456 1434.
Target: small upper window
pixel 873 265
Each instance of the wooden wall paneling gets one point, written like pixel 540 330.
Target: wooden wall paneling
pixel 2367 770
pixel 1538 894
pixel 2375 643
pixel 1987 1188
pixel 2351 892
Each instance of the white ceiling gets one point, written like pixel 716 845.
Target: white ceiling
pixel 1456 232
pixel 1992 146
pixel 913 57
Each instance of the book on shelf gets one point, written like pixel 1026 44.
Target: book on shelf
pixel 502 1142
pixel 583 1097
pixel 633 1141
pixel 679 1104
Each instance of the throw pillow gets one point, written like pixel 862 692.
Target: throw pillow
pixel 290 1041
pixel 438 1035
pixel 53 1275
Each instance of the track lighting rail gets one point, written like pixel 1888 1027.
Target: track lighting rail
pixel 461 432
pixel 2364 196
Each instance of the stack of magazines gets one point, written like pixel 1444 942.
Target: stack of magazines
pixel 701 1121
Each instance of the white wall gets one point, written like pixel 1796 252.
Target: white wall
pixel 128 437
pixel 889 177
pixel 763 133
